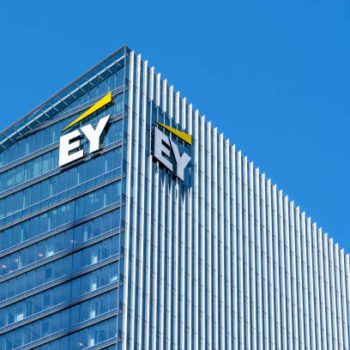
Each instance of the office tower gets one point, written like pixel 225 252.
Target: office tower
pixel 129 221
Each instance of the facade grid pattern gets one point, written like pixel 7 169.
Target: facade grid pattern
pixel 61 236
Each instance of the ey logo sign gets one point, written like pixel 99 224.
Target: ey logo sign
pixel 70 146
pixel 166 151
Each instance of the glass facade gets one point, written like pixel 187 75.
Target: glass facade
pixel 113 251
pixel 61 229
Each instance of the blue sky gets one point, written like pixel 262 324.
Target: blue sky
pixel 274 76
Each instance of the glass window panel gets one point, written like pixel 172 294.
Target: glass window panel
pixel 45 330
pixel 21 284
pixel 37 167
pixel 51 219
pixel 30 280
pixel 37 303
pixel 39 276
pixel 120 77
pixel 47 299
pixel 11 289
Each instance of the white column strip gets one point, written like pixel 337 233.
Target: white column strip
pixel 338 297
pixel 126 279
pixel 251 256
pixel 328 293
pixel 240 267
pixel 260 260
pixel 234 254
pixel 277 272
pixel 209 252
pixel 322 288
pixel 300 282
pixel 294 285
pixel 282 271
pixel 195 221
pixel 333 294
pixel 272 278
pixel 228 246
pixel 316 287
pixel 202 233
pixel 246 257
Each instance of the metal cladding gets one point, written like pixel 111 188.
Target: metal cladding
pixel 228 261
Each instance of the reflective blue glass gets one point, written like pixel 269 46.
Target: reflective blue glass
pixel 50 134
pixel 61 295
pixel 69 265
pixel 61 228
pixel 71 182
pixel 43 164
pixel 64 241
pixel 64 320
pixel 89 337
pixel 63 214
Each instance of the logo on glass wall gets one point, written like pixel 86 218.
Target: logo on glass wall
pixel 70 144
pixel 167 152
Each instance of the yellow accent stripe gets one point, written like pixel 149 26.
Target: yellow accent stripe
pixel 180 134
pixel 98 105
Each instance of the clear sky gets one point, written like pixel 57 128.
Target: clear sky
pixel 273 75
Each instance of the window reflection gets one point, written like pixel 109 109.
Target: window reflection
pixel 60 242
pixel 47 162
pixel 62 294
pixel 50 134
pixel 66 320
pixel 59 216
pixel 66 266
